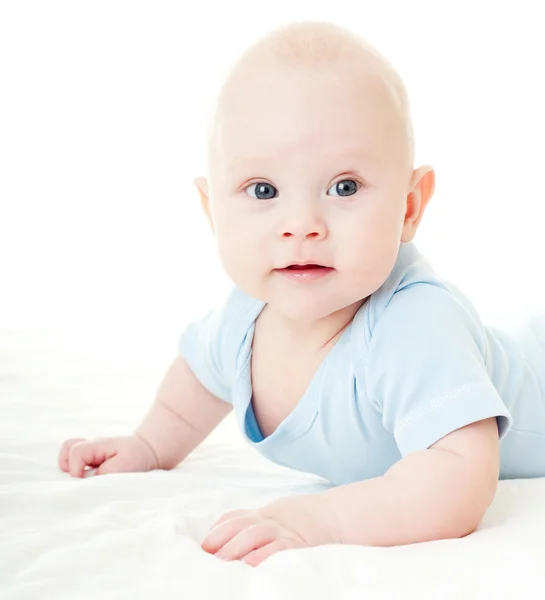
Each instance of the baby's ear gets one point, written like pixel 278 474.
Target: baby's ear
pixel 423 186
pixel 202 187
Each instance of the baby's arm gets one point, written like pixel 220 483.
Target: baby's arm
pixel 441 492
pixel 183 415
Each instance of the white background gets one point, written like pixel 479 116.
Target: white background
pixel 103 107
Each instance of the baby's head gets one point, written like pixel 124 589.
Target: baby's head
pixel 310 158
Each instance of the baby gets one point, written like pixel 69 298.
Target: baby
pixel 340 350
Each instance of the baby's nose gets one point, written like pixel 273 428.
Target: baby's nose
pixel 303 222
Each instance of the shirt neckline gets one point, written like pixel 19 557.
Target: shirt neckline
pixel 304 413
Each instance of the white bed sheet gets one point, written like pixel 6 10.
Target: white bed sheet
pixel 137 535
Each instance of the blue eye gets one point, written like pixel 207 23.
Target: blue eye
pixel 345 187
pixel 263 191
pixel 267 191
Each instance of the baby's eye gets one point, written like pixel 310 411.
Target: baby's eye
pixel 266 191
pixel 263 191
pixel 345 187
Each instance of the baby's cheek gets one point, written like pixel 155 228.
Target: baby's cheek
pixel 241 262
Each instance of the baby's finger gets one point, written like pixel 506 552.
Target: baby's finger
pixel 256 557
pixel 221 534
pixel 65 452
pixel 250 538
pixel 117 464
pixel 230 515
pixel 87 454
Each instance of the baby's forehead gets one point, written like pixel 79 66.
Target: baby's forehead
pixel 286 72
pixel 283 83
pixel 299 114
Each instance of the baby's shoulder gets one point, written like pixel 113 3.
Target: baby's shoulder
pixel 415 300
pixel 212 343
pixel 235 315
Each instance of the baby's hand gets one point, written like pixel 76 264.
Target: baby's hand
pixel 253 535
pixel 111 455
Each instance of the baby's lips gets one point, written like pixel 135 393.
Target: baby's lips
pixel 305 264
pixel 305 267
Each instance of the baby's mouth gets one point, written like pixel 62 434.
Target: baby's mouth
pixel 306 267
pixel 308 272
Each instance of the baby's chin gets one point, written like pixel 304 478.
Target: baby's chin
pixel 302 302
pixel 306 306
pixel 302 313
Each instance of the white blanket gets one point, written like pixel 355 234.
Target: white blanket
pixel 137 535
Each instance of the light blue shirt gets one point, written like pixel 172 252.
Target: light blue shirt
pixel 415 364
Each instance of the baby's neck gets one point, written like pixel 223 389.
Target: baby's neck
pixel 312 335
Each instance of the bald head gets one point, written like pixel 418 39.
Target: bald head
pixel 311 47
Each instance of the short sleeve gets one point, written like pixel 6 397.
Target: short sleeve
pixel 210 344
pixel 426 368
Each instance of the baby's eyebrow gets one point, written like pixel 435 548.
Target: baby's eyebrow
pixel 365 158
